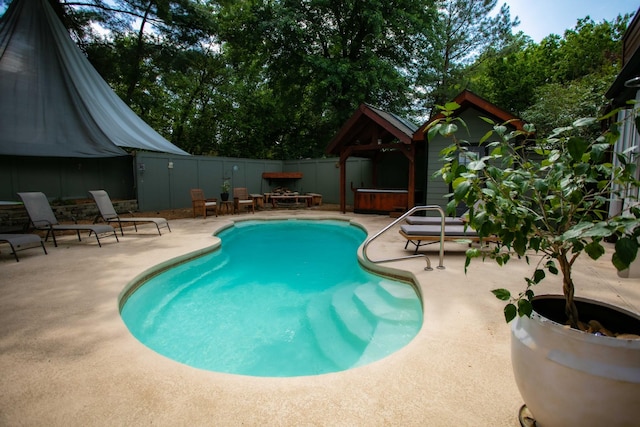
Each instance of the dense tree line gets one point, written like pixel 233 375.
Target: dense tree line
pixel 556 81
pixel 277 78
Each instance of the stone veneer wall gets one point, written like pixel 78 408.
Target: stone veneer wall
pixel 14 219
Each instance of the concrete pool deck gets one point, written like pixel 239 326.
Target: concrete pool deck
pixel 66 357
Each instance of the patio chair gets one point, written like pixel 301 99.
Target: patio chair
pixel 200 203
pixel 421 235
pixel 109 214
pixel 241 199
pixel 42 218
pixel 18 242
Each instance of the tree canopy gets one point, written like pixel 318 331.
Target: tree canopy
pixel 558 80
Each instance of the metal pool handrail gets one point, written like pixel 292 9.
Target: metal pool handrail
pixel 401 218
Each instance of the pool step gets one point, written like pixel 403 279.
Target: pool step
pixel 388 338
pixel 356 324
pixel 381 302
pixel 399 291
pixel 370 321
pixel 360 307
pixel 329 337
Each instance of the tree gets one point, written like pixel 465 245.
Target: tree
pixel 464 30
pixel 531 80
pixel 322 58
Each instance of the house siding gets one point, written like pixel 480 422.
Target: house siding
pixel 475 129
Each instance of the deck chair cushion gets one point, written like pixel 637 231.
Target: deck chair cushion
pixel 434 230
pixel 432 220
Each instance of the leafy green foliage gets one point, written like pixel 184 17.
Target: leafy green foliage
pixel 320 59
pixel 556 81
pixel 463 30
pixel 546 196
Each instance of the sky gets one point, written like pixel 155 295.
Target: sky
pixel 539 18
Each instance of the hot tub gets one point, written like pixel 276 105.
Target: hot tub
pixel 379 201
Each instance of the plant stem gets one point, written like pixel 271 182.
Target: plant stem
pixel 568 289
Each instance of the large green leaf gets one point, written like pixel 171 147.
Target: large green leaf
pixel 577 147
pixel 627 250
pixel 486 136
pixel 433 131
pixel 461 187
pixel 538 276
pixel 594 249
pixel 448 129
pixel 451 106
pixel 476 165
pixel 487 120
pixel 585 121
pixel 525 308
pixel 510 312
pixel 502 294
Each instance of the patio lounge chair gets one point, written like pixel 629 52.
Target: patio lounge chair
pixel 200 203
pixel 241 199
pixel 19 242
pixel 42 217
pixel 109 214
pixel 420 235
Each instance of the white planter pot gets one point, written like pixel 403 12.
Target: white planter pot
pixel 572 378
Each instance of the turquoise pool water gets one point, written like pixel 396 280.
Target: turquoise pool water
pixel 278 299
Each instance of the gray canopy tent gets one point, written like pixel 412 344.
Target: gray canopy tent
pixel 53 103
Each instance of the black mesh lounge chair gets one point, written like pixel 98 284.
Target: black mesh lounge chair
pixel 19 242
pixel 42 217
pixel 109 214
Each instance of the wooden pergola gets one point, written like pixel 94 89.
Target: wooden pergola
pixel 368 133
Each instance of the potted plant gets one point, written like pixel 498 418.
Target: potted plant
pixel 548 196
pixel 224 188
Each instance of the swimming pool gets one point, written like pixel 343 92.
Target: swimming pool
pixel 279 298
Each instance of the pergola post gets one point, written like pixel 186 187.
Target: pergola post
pixel 344 155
